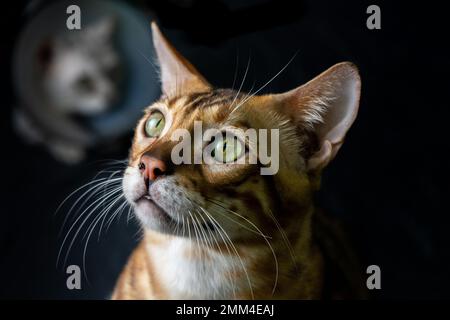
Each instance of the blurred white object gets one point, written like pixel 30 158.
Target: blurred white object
pixel 100 73
pixel 81 71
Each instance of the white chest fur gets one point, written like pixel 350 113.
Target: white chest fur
pixel 186 273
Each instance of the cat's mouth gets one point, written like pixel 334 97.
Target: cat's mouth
pixel 148 206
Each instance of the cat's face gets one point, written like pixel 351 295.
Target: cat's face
pixel 83 71
pixel 201 195
pixel 225 198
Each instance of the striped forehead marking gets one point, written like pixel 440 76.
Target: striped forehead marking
pixel 200 100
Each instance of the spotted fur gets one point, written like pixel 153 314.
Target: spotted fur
pixel 224 231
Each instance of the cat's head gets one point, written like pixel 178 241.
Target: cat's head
pixel 221 197
pixel 81 71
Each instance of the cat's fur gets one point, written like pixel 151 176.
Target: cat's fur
pixel 273 251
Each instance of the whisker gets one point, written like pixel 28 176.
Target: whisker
pixel 74 192
pixel 130 211
pixel 267 83
pixel 94 190
pixel 98 202
pixel 235 250
pixel 206 241
pixel 82 206
pixel 268 243
pixel 220 250
pixel 242 82
pixel 115 214
pixel 284 236
pixel 91 228
pixel 195 231
pixel 235 70
pixel 121 197
pixel 258 232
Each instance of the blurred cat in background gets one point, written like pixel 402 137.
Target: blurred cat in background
pixel 76 74
pixel 81 72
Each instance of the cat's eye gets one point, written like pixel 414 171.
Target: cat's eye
pixel 155 125
pixel 228 149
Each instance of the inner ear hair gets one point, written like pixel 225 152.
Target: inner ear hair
pixel 324 109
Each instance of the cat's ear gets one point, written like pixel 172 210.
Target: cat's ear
pixel 327 105
pixel 178 76
pixel 102 30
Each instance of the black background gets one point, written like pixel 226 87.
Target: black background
pixel 388 182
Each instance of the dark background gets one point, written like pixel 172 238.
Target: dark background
pixel 388 183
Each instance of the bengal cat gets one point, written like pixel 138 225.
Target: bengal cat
pixel 224 230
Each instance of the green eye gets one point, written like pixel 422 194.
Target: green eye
pixel 155 124
pixel 228 149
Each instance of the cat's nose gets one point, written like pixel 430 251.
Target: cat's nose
pixel 151 167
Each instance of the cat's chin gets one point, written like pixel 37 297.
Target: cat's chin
pixel 153 216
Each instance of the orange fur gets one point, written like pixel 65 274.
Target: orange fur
pixel 274 251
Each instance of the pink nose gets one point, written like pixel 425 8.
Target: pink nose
pixel 151 167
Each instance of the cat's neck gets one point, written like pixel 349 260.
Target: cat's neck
pixel 184 269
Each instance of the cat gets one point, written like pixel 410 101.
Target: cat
pixel 77 74
pixel 223 230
